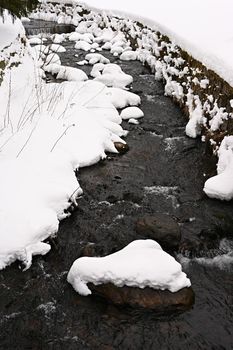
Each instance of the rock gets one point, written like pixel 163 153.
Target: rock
pixel 160 227
pixel 158 300
pixel 121 147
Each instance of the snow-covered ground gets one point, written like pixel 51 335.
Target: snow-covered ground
pixel 9 30
pixel 47 132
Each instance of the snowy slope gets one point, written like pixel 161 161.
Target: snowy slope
pixel 9 30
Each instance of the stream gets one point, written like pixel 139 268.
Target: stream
pixel 163 172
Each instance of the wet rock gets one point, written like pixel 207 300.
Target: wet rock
pixel 158 300
pixel 121 147
pixel 89 249
pixel 160 227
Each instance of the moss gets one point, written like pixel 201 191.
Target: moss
pixel 2 65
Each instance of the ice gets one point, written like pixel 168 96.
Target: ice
pixel 141 264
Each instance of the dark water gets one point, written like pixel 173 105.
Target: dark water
pixel 162 172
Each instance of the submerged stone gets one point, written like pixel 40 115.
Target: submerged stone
pixel 160 227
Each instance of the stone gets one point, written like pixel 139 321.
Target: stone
pixel 121 147
pixel 158 300
pixel 160 227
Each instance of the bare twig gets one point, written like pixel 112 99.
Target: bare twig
pixel 64 132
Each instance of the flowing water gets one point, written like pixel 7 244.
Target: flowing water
pixel 164 171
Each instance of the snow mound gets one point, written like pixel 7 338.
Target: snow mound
pixel 128 56
pixel 66 72
pixel 141 264
pixel 58 38
pixel 122 98
pixel 221 185
pixel 96 70
pixel 94 58
pixel 113 76
pixel 131 112
pixel 82 45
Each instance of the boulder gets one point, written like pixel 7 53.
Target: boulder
pixel 158 300
pixel 160 227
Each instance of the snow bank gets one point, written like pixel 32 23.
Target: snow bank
pixel 48 131
pixel 141 264
pixel 207 42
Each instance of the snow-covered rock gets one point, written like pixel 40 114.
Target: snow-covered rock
pixel 113 76
pixel 221 185
pixel 131 112
pixel 128 56
pixel 82 45
pixel 94 58
pixel 141 264
pixel 122 98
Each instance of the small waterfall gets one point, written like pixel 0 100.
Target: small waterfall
pixel 45 27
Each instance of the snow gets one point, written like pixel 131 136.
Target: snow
pixel 82 63
pixel 48 132
pixel 128 56
pixel 122 98
pixel 133 121
pixel 10 28
pixel 131 112
pixel 94 58
pixel 58 38
pixel 113 76
pixel 140 264
pixel 65 72
pixel 35 41
pixel 206 34
pixel 82 45
pixel 221 185
pixel 56 48
pixel 97 68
